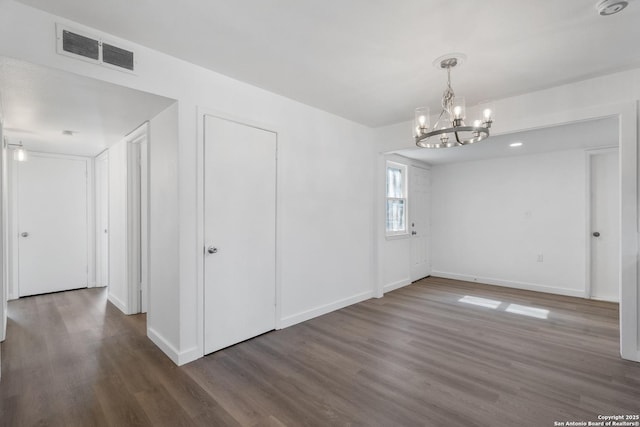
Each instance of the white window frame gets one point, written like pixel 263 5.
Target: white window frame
pixel 405 178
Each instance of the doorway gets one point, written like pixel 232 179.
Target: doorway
pixel 240 232
pixel 604 223
pixel 128 241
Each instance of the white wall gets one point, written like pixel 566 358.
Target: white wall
pixel 491 220
pixel 325 177
pixel 118 278
pixel 162 319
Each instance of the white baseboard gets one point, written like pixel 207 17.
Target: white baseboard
pixel 118 303
pixel 511 284
pixel 603 299
pixel 164 345
pixel 177 357
pixel 96 285
pixel 323 309
pixel 189 355
pixel 396 285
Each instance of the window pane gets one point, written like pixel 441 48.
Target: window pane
pixel 395 215
pixel 395 186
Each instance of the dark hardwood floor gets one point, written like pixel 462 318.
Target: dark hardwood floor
pixel 418 356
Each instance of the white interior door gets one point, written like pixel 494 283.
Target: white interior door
pixel 605 226
pixel 52 224
pixel 102 219
pixel 419 195
pixel 240 223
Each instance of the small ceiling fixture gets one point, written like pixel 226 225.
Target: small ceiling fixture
pixel 19 153
pixel 610 7
pixel 450 128
pixel 515 144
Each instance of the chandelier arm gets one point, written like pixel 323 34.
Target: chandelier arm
pixel 435 125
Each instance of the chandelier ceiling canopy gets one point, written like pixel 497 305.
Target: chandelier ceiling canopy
pixel 450 129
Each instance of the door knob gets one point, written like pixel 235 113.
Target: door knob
pixel 413 233
pixel 212 250
pixel 596 234
pixel 24 234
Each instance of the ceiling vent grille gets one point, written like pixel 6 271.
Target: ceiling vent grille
pixel 80 45
pixel 117 56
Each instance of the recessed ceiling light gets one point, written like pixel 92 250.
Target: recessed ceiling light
pixel 610 7
pixel 515 144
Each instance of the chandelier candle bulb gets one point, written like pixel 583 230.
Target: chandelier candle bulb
pixel 421 121
pixel 459 108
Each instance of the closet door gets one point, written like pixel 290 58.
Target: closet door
pixel 240 232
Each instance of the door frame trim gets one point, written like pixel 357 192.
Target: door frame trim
pixel 588 247
pixel 201 112
pixel 137 222
pixel 13 226
pixel 99 234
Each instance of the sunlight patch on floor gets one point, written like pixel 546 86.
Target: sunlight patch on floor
pixel 482 302
pixel 523 310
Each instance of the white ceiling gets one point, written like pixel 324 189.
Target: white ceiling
pixel 371 61
pixel 38 103
pixel 579 135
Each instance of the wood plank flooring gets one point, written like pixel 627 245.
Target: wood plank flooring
pixel 418 356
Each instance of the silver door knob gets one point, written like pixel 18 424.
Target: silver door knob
pixel 24 234
pixel 212 250
pixel 596 234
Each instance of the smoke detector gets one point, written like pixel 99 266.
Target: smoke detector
pixel 610 7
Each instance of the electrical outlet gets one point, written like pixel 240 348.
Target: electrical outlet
pixel 540 258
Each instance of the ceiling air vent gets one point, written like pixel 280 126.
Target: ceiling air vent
pixel 80 45
pixel 116 56
pixel 87 47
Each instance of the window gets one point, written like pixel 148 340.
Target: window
pixel 396 199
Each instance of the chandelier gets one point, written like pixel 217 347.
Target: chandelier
pixel 450 129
